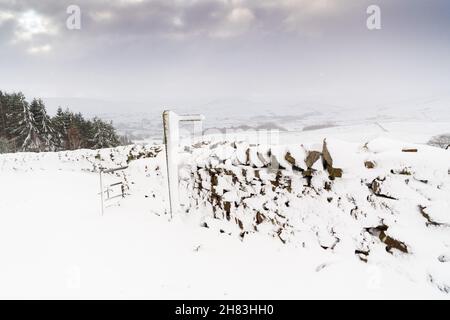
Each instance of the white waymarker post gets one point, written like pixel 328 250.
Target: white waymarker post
pixel 171 122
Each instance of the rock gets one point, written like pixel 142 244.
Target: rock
pixel 227 209
pixel 369 164
pixel 430 222
pixel 308 173
pixel 281 235
pixel 403 171
pixel 239 223
pixel 312 158
pixel 260 218
pixel 328 163
pixel 390 242
pixel 274 162
pixel 327 159
pixel 375 186
pixel 362 255
pixel 289 158
pixel 241 154
pixel 292 161
pixel 254 159
pixel 264 158
pixel 335 173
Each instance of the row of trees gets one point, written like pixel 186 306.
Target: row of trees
pixel 27 126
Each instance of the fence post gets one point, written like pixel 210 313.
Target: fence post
pixel 171 122
pixel 101 191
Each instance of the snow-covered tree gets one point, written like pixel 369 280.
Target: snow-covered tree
pixel 442 141
pixel 3 110
pixel 45 126
pixel 28 127
pixel 27 131
pixel 104 135
pixel 10 104
pixel 21 127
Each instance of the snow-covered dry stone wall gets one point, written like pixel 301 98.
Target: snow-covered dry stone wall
pixel 378 201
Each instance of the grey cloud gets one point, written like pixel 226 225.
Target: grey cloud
pixel 121 20
pixel 156 48
pixel 200 17
pixel 179 18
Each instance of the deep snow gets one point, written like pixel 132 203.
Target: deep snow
pixel 55 244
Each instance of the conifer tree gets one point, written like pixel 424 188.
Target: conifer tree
pixel 26 131
pixel 2 115
pixel 104 135
pixel 45 126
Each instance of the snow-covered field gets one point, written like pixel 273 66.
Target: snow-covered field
pixel 247 229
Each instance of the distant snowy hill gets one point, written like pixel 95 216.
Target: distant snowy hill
pixel 143 120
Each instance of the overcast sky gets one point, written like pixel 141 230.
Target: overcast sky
pixel 193 51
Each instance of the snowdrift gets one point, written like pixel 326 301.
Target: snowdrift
pixel 383 203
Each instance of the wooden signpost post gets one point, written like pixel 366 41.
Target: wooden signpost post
pixel 171 122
